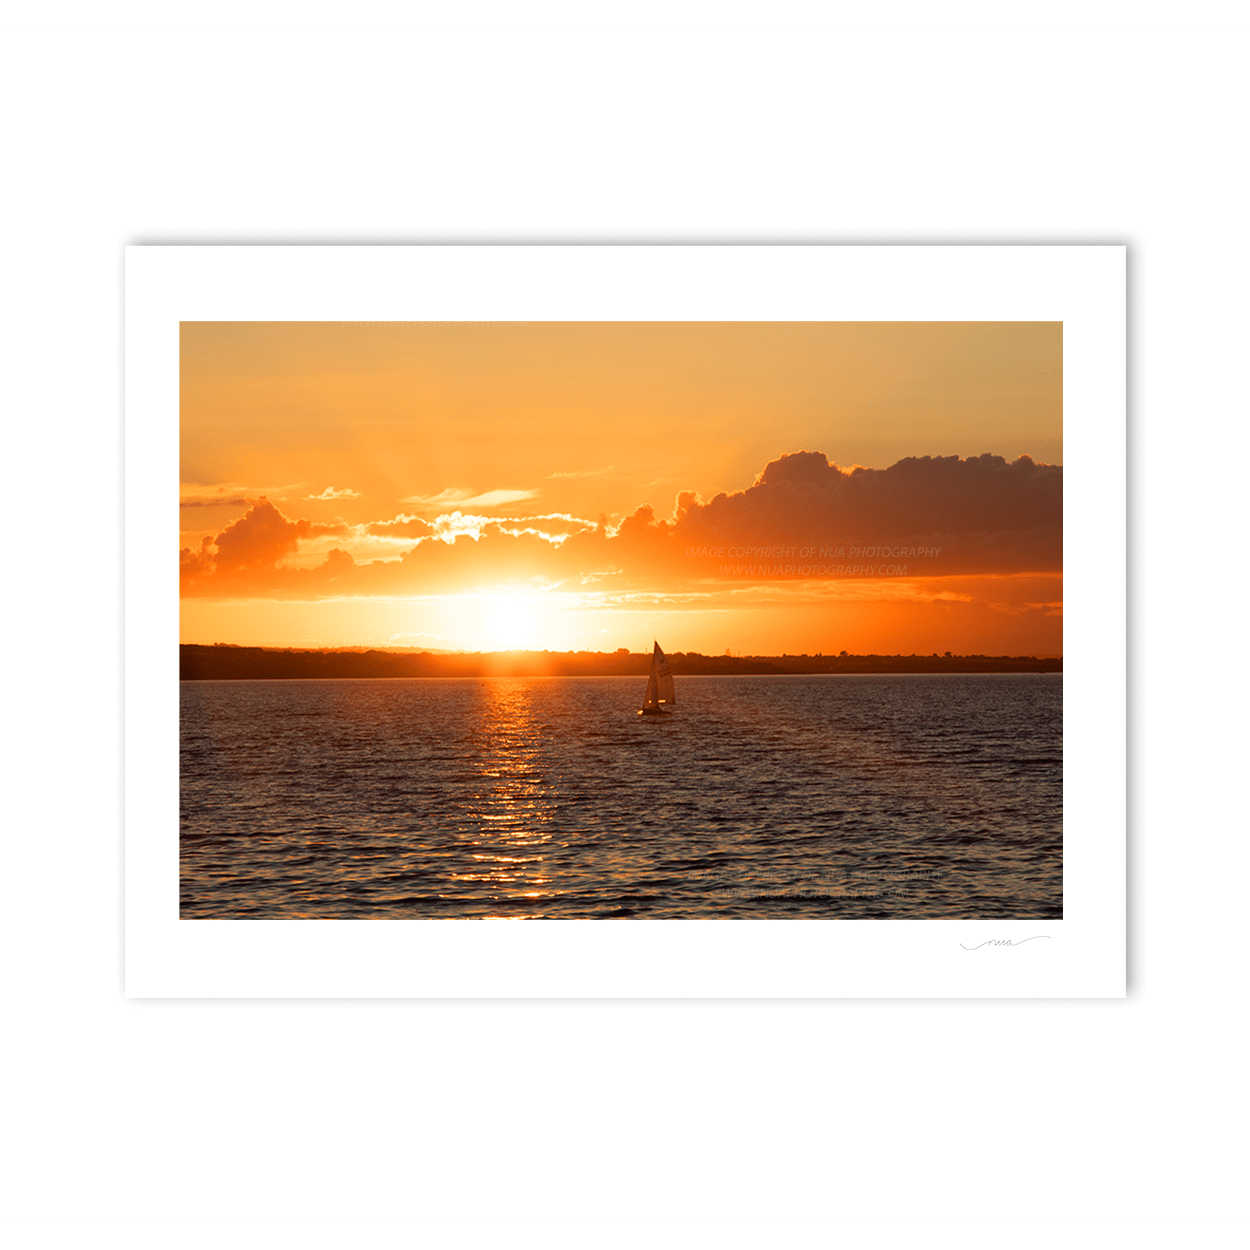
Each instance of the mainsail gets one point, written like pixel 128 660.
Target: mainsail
pixel 660 691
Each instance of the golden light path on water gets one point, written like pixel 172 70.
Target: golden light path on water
pixel 513 800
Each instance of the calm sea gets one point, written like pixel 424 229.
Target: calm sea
pixel 758 797
pixel 843 796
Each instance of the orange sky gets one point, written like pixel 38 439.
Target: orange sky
pixel 596 485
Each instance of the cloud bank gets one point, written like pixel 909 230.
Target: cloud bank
pixel 985 514
pixel 979 516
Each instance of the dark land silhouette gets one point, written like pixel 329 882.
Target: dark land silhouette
pixel 228 662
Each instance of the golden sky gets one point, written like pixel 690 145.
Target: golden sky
pixel 488 485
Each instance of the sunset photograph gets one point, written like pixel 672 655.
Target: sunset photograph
pixel 621 620
pixel 683 674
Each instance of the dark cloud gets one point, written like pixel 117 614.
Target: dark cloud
pixel 251 545
pixel 194 566
pixel 985 513
pixel 258 539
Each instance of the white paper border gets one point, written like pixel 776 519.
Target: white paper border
pixel 1082 955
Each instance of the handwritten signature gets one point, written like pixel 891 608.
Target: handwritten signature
pixel 1004 942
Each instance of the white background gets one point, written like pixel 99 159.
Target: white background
pixel 1080 956
pixel 898 1123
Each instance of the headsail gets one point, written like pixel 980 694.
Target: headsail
pixel 663 676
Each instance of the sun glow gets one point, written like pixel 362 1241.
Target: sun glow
pixel 511 620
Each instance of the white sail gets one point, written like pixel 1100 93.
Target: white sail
pixel 652 698
pixel 660 691
pixel 663 676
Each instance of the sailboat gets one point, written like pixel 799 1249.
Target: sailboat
pixel 660 696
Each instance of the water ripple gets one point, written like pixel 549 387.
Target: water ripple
pixel 846 797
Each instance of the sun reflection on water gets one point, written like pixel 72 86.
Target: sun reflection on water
pixel 508 816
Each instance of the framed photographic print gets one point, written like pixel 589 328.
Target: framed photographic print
pixel 713 602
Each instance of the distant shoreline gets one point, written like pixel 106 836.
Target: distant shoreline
pixel 225 662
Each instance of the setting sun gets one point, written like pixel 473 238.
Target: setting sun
pixel 511 620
